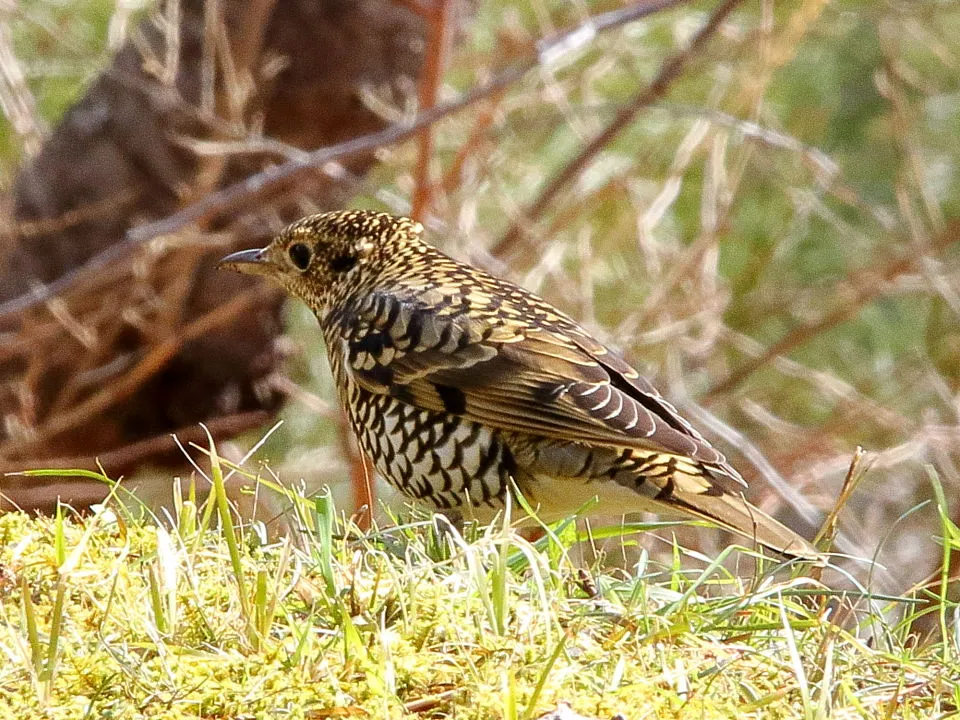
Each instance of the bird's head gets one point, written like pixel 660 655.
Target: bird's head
pixel 320 257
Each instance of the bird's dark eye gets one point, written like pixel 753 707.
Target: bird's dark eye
pixel 342 263
pixel 300 256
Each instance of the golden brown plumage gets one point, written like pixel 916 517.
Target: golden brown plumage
pixel 458 384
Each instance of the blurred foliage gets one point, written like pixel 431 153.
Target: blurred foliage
pixel 60 46
pixel 797 184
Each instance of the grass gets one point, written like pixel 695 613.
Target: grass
pixel 114 616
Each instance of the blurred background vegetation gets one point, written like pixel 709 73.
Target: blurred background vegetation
pixel 763 221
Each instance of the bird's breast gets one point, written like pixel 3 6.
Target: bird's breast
pixel 439 459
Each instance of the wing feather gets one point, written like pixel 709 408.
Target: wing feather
pixel 557 382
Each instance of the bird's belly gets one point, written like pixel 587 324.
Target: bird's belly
pixel 555 498
pixel 438 459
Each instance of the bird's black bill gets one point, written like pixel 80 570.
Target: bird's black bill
pixel 253 262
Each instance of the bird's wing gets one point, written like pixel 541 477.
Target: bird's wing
pixel 506 372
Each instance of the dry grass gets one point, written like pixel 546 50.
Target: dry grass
pixel 112 616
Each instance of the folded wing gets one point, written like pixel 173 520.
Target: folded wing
pixel 557 382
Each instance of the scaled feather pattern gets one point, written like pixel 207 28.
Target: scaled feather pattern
pixel 460 385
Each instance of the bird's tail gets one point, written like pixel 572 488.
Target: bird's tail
pixel 732 512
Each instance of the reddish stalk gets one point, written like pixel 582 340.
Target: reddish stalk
pixel 361 475
pixel 435 61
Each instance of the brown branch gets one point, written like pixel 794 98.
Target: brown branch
pixel 131 454
pixel 42 494
pixel 234 198
pixel 85 213
pixel 426 10
pixel 241 195
pixel 669 72
pixel 151 364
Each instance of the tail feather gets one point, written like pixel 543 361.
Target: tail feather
pixel 732 512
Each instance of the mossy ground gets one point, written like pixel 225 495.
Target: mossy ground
pixel 107 617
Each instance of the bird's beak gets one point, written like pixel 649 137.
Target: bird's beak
pixel 251 262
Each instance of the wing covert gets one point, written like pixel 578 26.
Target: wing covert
pixel 496 369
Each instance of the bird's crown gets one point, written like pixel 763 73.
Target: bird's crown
pixel 336 241
pixel 323 257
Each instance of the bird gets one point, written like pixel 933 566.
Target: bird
pixel 462 387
